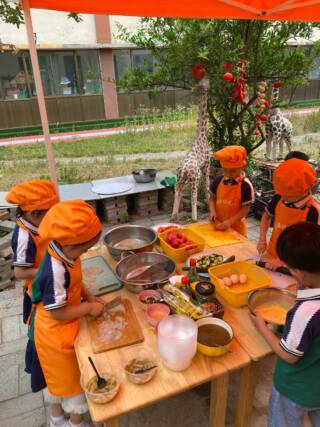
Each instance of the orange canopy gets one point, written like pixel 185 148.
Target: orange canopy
pixel 291 10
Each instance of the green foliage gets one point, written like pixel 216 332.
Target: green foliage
pixel 12 14
pixel 178 44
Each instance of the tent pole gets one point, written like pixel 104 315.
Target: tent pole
pixel 39 90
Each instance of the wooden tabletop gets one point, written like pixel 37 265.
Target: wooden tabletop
pixel 166 383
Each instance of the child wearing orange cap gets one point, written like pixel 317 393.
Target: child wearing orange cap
pixel 232 193
pixel 293 202
pixel 60 300
pixel 34 198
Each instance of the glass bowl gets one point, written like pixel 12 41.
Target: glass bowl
pixel 112 372
pixel 140 364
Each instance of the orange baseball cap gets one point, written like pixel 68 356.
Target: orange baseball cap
pixel 232 156
pixel 293 178
pixel 70 223
pixel 36 194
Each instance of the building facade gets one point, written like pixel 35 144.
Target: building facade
pixel 79 64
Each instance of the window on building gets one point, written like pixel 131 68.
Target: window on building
pixel 65 75
pixel 13 76
pixel 88 63
pixel 122 63
pixel 142 60
pixel 46 71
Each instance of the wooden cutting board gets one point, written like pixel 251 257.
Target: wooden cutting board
pixel 132 333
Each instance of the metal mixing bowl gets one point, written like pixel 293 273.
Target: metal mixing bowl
pixel 134 261
pixel 144 175
pixel 129 238
pixel 270 295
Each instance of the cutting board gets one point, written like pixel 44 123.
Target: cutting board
pixel 98 277
pixel 212 237
pixel 132 334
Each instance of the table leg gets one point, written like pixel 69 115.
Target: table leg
pixel 113 422
pixel 218 401
pixel 248 379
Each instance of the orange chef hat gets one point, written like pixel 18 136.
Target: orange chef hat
pixel 36 194
pixel 232 156
pixel 293 178
pixel 70 223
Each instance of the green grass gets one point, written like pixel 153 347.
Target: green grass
pixel 153 141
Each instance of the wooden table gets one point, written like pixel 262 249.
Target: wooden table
pixel 166 383
pixel 248 348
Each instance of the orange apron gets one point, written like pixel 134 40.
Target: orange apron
pixel 41 246
pixel 283 218
pixel 228 204
pixel 54 340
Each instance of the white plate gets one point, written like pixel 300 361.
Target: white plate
pixel 111 187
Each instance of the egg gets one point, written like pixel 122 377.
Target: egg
pixel 221 283
pixel 234 279
pixel 243 278
pixel 227 281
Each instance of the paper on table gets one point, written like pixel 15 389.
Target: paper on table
pixel 212 237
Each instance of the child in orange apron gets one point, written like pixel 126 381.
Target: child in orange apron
pixel 33 198
pixel 60 300
pixel 293 202
pixel 231 193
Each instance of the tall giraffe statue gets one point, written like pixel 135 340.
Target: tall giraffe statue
pixel 197 161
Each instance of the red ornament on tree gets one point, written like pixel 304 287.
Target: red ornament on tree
pixel 257 132
pixel 239 93
pixel 257 124
pixel 228 77
pixel 228 66
pixel 198 72
pixel 277 85
pixel 266 103
pixel 258 116
pixel 263 117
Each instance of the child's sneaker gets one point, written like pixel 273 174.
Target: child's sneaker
pixel 58 421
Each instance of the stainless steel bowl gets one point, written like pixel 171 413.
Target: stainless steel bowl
pixel 129 238
pixel 270 295
pixel 134 261
pixel 144 175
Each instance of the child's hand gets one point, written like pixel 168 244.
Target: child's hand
pixel 258 321
pixel 96 309
pixel 92 298
pixel 222 226
pixel 274 263
pixel 262 246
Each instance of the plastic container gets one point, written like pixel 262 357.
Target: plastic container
pixel 237 295
pixel 210 350
pixel 177 342
pixel 108 370
pixel 148 297
pixel 142 355
pixel 156 313
pixel 180 255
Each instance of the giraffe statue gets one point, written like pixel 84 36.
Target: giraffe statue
pixel 278 130
pixel 197 161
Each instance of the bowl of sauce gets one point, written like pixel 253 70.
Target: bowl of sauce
pixel 213 335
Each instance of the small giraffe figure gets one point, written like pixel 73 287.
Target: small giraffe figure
pixel 278 130
pixel 197 161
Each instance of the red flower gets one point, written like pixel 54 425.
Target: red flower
pixel 228 66
pixel 263 117
pixel 257 124
pixel 198 72
pixel 266 103
pixel 277 85
pixel 257 132
pixel 228 77
pixel 258 116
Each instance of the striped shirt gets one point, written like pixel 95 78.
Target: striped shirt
pixel 303 323
pixel 53 280
pixel 23 245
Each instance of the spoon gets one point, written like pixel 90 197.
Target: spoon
pixel 101 381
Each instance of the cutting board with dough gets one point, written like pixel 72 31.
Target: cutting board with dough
pixel 131 334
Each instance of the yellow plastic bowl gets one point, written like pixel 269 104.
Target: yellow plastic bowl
pixel 214 351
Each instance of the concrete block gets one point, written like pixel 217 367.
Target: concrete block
pixel 20 406
pixel 5 284
pixel 5 264
pixel 9 380
pixel 6 251
pixel 35 418
pixel 23 327
pixel 10 306
pixel 7 226
pixel 147 210
pixel 146 198
pixel 24 381
pixel 10 329
pixel 13 347
pixel 115 202
pixel 11 359
pixel 6 274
